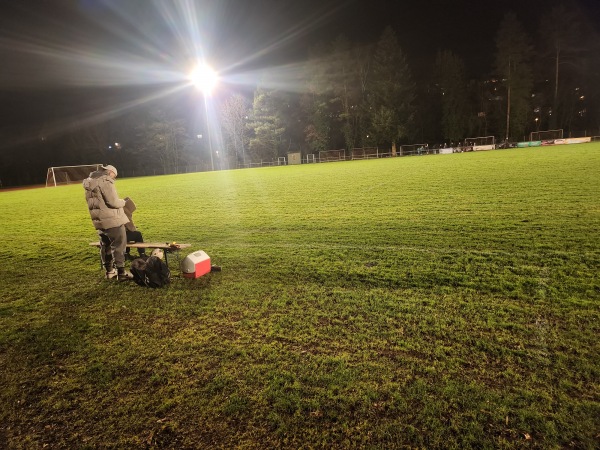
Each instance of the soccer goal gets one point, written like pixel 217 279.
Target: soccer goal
pixel 364 153
pixel 414 149
pixel 546 135
pixel 69 174
pixel 332 155
pixel 480 141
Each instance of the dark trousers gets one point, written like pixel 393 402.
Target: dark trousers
pixel 135 236
pixel 113 242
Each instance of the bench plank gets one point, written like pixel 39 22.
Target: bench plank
pixel 161 245
pixel 166 246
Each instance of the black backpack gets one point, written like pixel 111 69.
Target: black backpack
pixel 150 272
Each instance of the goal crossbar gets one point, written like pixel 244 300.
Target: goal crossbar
pixel 480 140
pixel 332 155
pixel 413 149
pixel 59 175
pixel 546 135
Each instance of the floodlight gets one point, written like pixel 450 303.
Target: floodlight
pixel 204 78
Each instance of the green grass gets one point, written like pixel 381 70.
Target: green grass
pixel 446 301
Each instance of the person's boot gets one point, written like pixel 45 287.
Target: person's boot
pixel 110 273
pixel 123 275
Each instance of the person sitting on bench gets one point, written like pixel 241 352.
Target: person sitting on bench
pixel 133 234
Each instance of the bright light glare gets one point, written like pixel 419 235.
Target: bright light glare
pixel 204 78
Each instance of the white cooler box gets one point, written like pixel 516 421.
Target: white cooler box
pixel 195 264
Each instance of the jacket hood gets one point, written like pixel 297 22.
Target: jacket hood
pixel 91 182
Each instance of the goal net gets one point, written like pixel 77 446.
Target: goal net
pixel 364 153
pixel 480 141
pixel 414 149
pixel 332 155
pixel 69 174
pixel 546 135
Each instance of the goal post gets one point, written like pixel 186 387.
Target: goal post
pixel 69 174
pixel 332 155
pixel 364 153
pixel 414 149
pixel 480 141
pixel 546 135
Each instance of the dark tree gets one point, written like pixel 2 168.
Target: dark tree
pixel 451 80
pixel 391 92
pixel 513 65
pixel 267 126
pixel 569 49
pixel 234 117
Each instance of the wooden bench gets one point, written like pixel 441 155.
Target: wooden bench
pixel 167 247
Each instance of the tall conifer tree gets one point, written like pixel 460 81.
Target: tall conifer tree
pixel 391 92
pixel 513 65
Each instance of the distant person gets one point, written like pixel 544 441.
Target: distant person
pixel 133 234
pixel 108 217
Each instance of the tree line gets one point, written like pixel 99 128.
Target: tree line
pixel 351 95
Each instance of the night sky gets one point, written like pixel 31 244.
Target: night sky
pixel 55 50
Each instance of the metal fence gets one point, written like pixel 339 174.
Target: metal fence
pixel 313 158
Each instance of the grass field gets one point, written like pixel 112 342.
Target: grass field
pixel 439 302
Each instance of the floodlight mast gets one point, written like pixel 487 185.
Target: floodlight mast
pixel 204 78
pixel 212 164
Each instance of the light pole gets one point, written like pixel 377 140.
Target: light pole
pixel 508 102
pixel 200 145
pixel 212 164
pixel 205 79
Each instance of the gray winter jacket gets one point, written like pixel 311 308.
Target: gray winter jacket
pixel 106 208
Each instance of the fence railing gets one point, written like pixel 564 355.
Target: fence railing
pixel 313 158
